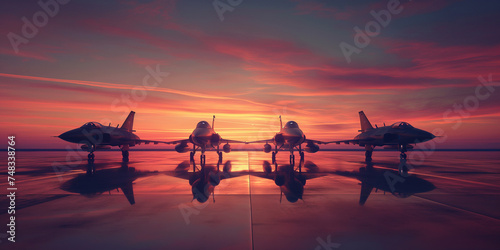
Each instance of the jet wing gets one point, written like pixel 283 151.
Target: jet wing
pixel 316 142
pixel 263 175
pixel 233 141
pixel 307 140
pixel 149 141
pixel 178 141
pixel 271 175
pixel 187 141
pixel 182 171
pixel 346 142
pixel 353 141
pixel 261 141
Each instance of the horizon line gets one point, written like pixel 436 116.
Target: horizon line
pixel 254 150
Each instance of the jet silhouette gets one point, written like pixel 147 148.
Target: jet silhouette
pixel 290 137
pixel 400 134
pixel 94 136
pixel 203 137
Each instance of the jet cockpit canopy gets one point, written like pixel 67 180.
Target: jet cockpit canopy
pixel 203 124
pixel 92 125
pixel 291 124
pixel 401 125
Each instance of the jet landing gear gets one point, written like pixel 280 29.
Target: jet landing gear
pixel 90 160
pixel 125 153
pixel 301 161
pixel 403 168
pixel 202 157
pixel 90 164
pixel 292 157
pixel 274 155
pixel 219 153
pixel 191 154
pixel 368 153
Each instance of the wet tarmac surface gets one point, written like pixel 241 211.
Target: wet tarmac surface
pixel 451 200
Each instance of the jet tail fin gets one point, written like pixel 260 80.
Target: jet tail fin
pixel 366 189
pixel 365 124
pixel 128 191
pixel 128 124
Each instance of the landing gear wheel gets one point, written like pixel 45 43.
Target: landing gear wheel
pixel 90 165
pixel 402 156
pixel 368 156
pixel 91 158
pixel 403 169
pixel 125 155
pixel 202 160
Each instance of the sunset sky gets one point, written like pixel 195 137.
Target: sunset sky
pixel 92 60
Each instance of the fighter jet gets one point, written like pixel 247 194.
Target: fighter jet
pixel 290 137
pixel 94 136
pixel 203 137
pixel 400 134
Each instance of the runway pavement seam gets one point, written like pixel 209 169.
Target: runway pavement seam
pixel 457 208
pixel 250 198
pixel 449 178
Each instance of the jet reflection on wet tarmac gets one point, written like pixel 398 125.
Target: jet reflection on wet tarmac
pixel 95 183
pixel 387 181
pixel 291 180
pixel 204 179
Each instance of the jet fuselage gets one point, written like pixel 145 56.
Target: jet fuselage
pixel 289 136
pixel 393 135
pixel 291 186
pixel 204 136
pixel 93 133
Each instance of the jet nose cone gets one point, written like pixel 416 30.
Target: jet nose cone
pixel 65 136
pixel 426 136
pixel 71 136
pixel 430 136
